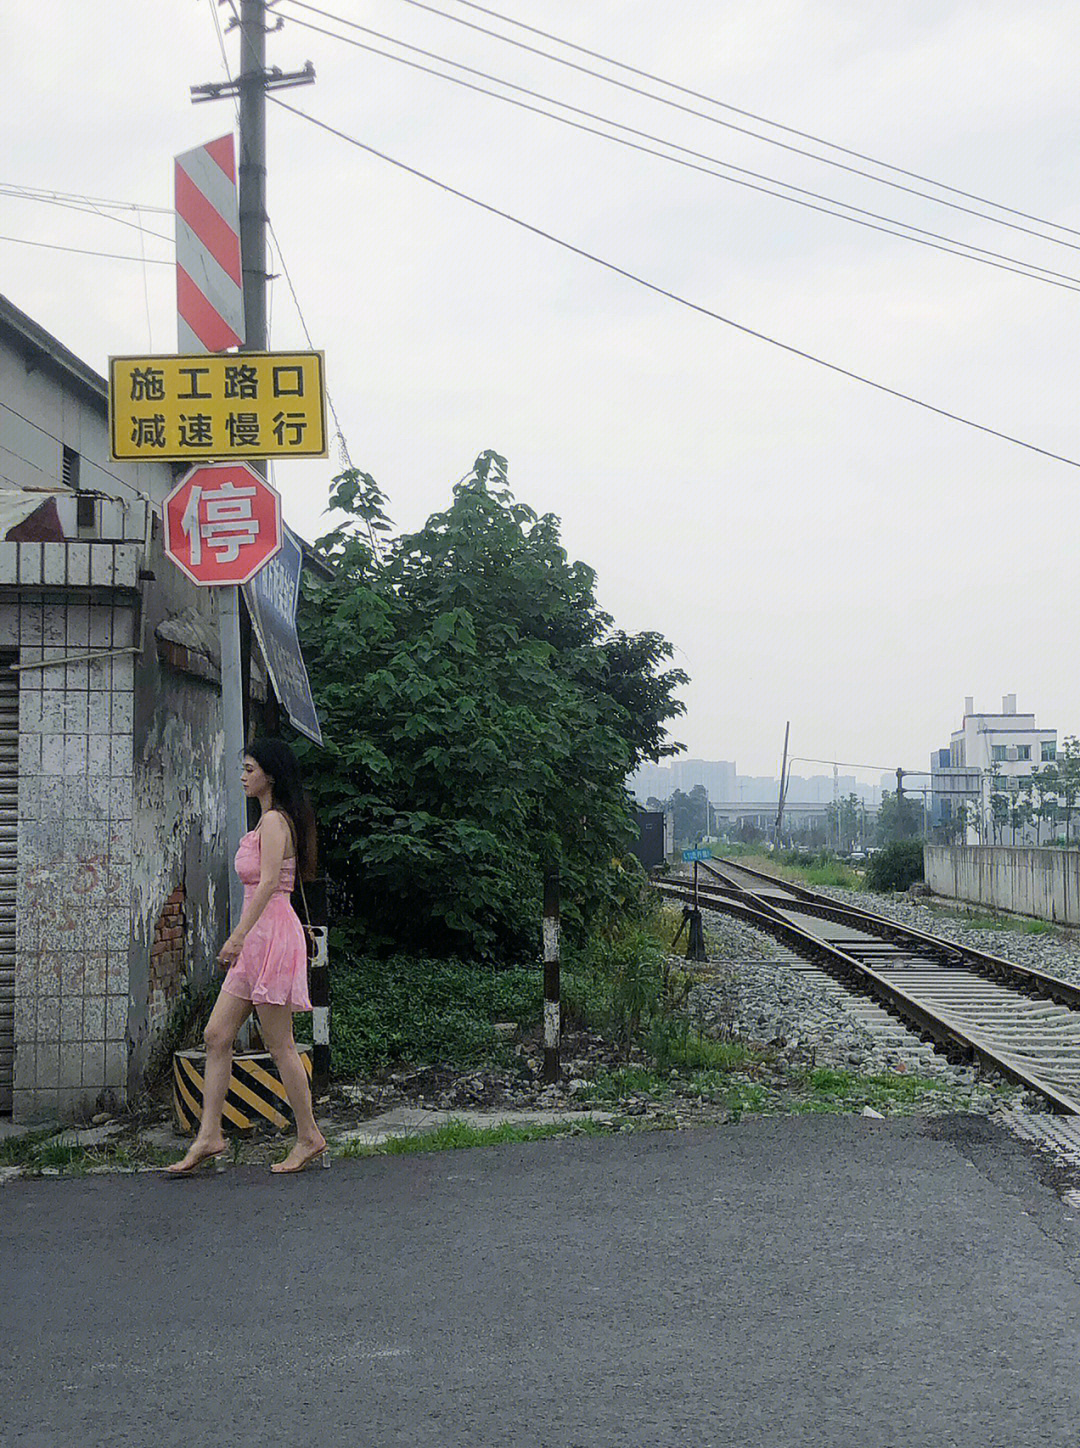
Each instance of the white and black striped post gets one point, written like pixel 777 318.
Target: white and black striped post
pixel 552 1021
pixel 319 988
pixel 320 1012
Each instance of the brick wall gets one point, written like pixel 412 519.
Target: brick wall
pixel 167 961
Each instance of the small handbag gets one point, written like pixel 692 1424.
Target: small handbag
pixel 309 929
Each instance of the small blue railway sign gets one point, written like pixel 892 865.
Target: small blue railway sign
pixel 690 856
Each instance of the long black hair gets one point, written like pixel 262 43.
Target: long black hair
pixel 278 763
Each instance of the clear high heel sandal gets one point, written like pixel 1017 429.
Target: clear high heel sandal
pixel 212 1160
pixel 320 1158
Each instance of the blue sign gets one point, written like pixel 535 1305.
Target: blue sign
pixel 689 856
pixel 271 599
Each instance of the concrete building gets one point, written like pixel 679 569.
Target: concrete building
pixel 660 781
pixel 717 776
pixel 113 877
pixel 989 754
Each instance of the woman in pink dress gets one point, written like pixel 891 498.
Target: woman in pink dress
pixel 265 957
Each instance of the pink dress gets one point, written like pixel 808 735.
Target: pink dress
pixel 271 968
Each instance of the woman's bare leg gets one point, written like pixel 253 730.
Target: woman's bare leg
pixel 275 1023
pixel 228 1015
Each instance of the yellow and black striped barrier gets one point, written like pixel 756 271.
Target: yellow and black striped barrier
pixel 255 1095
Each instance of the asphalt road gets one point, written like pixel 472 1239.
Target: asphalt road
pixel 833 1282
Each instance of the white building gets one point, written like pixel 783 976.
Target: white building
pixel 989 754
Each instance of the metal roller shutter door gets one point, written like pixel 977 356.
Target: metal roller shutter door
pixel 9 832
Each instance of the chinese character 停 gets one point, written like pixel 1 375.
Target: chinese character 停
pixel 221 518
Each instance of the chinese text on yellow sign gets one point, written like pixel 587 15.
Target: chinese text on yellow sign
pixel 223 405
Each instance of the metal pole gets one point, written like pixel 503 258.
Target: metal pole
pixel 695 939
pixel 252 170
pixel 783 790
pixel 232 718
pixel 552 1021
pixel 252 178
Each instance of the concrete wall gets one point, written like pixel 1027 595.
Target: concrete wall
pixel 179 807
pixel 1042 883
pixel 121 860
pixel 73 892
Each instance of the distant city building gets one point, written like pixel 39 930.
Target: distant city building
pixel 650 781
pixel 717 775
pixel 659 781
pixel 725 786
pixel 989 754
pixel 751 800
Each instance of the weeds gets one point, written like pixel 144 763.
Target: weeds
pixel 805 868
pixel 977 920
pixel 424 1011
pixel 454 1135
pixel 60 1153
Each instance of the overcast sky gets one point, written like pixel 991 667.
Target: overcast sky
pixel 815 550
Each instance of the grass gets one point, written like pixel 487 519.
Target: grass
pixel 52 1151
pixel 419 1012
pixel 755 1087
pixel 812 871
pixel 977 920
pixel 455 1135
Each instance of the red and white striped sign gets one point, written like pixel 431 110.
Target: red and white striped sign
pixel 209 280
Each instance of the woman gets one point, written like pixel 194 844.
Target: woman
pixel 266 958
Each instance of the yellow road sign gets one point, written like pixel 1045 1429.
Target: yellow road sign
pixel 217 406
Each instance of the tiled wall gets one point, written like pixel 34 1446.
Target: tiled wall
pixel 74 850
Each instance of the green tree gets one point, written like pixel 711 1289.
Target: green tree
pixel 689 815
pixel 1067 781
pixel 1019 816
pixel 999 808
pixel 480 715
pixel 1045 786
pixel 898 820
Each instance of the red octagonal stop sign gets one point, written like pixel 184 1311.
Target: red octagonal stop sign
pixel 222 523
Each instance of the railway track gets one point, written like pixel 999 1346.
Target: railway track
pixel 1022 1022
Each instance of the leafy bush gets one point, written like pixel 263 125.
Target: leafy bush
pixel 422 1012
pixel 896 866
pixel 480 716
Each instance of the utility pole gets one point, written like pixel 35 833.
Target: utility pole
pixel 552 1000
pixel 251 86
pixel 783 789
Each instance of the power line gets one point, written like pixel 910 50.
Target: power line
pixel 91 209
pixel 224 53
pixel 43 193
pixel 1000 260
pixel 292 290
pixel 674 296
pixel 738 111
pixel 124 482
pixel 84 251
pixel 329 400
pixel 714 120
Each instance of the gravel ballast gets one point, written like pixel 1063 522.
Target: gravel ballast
pixel 758 989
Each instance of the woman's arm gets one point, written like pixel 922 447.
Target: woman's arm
pixel 273 837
